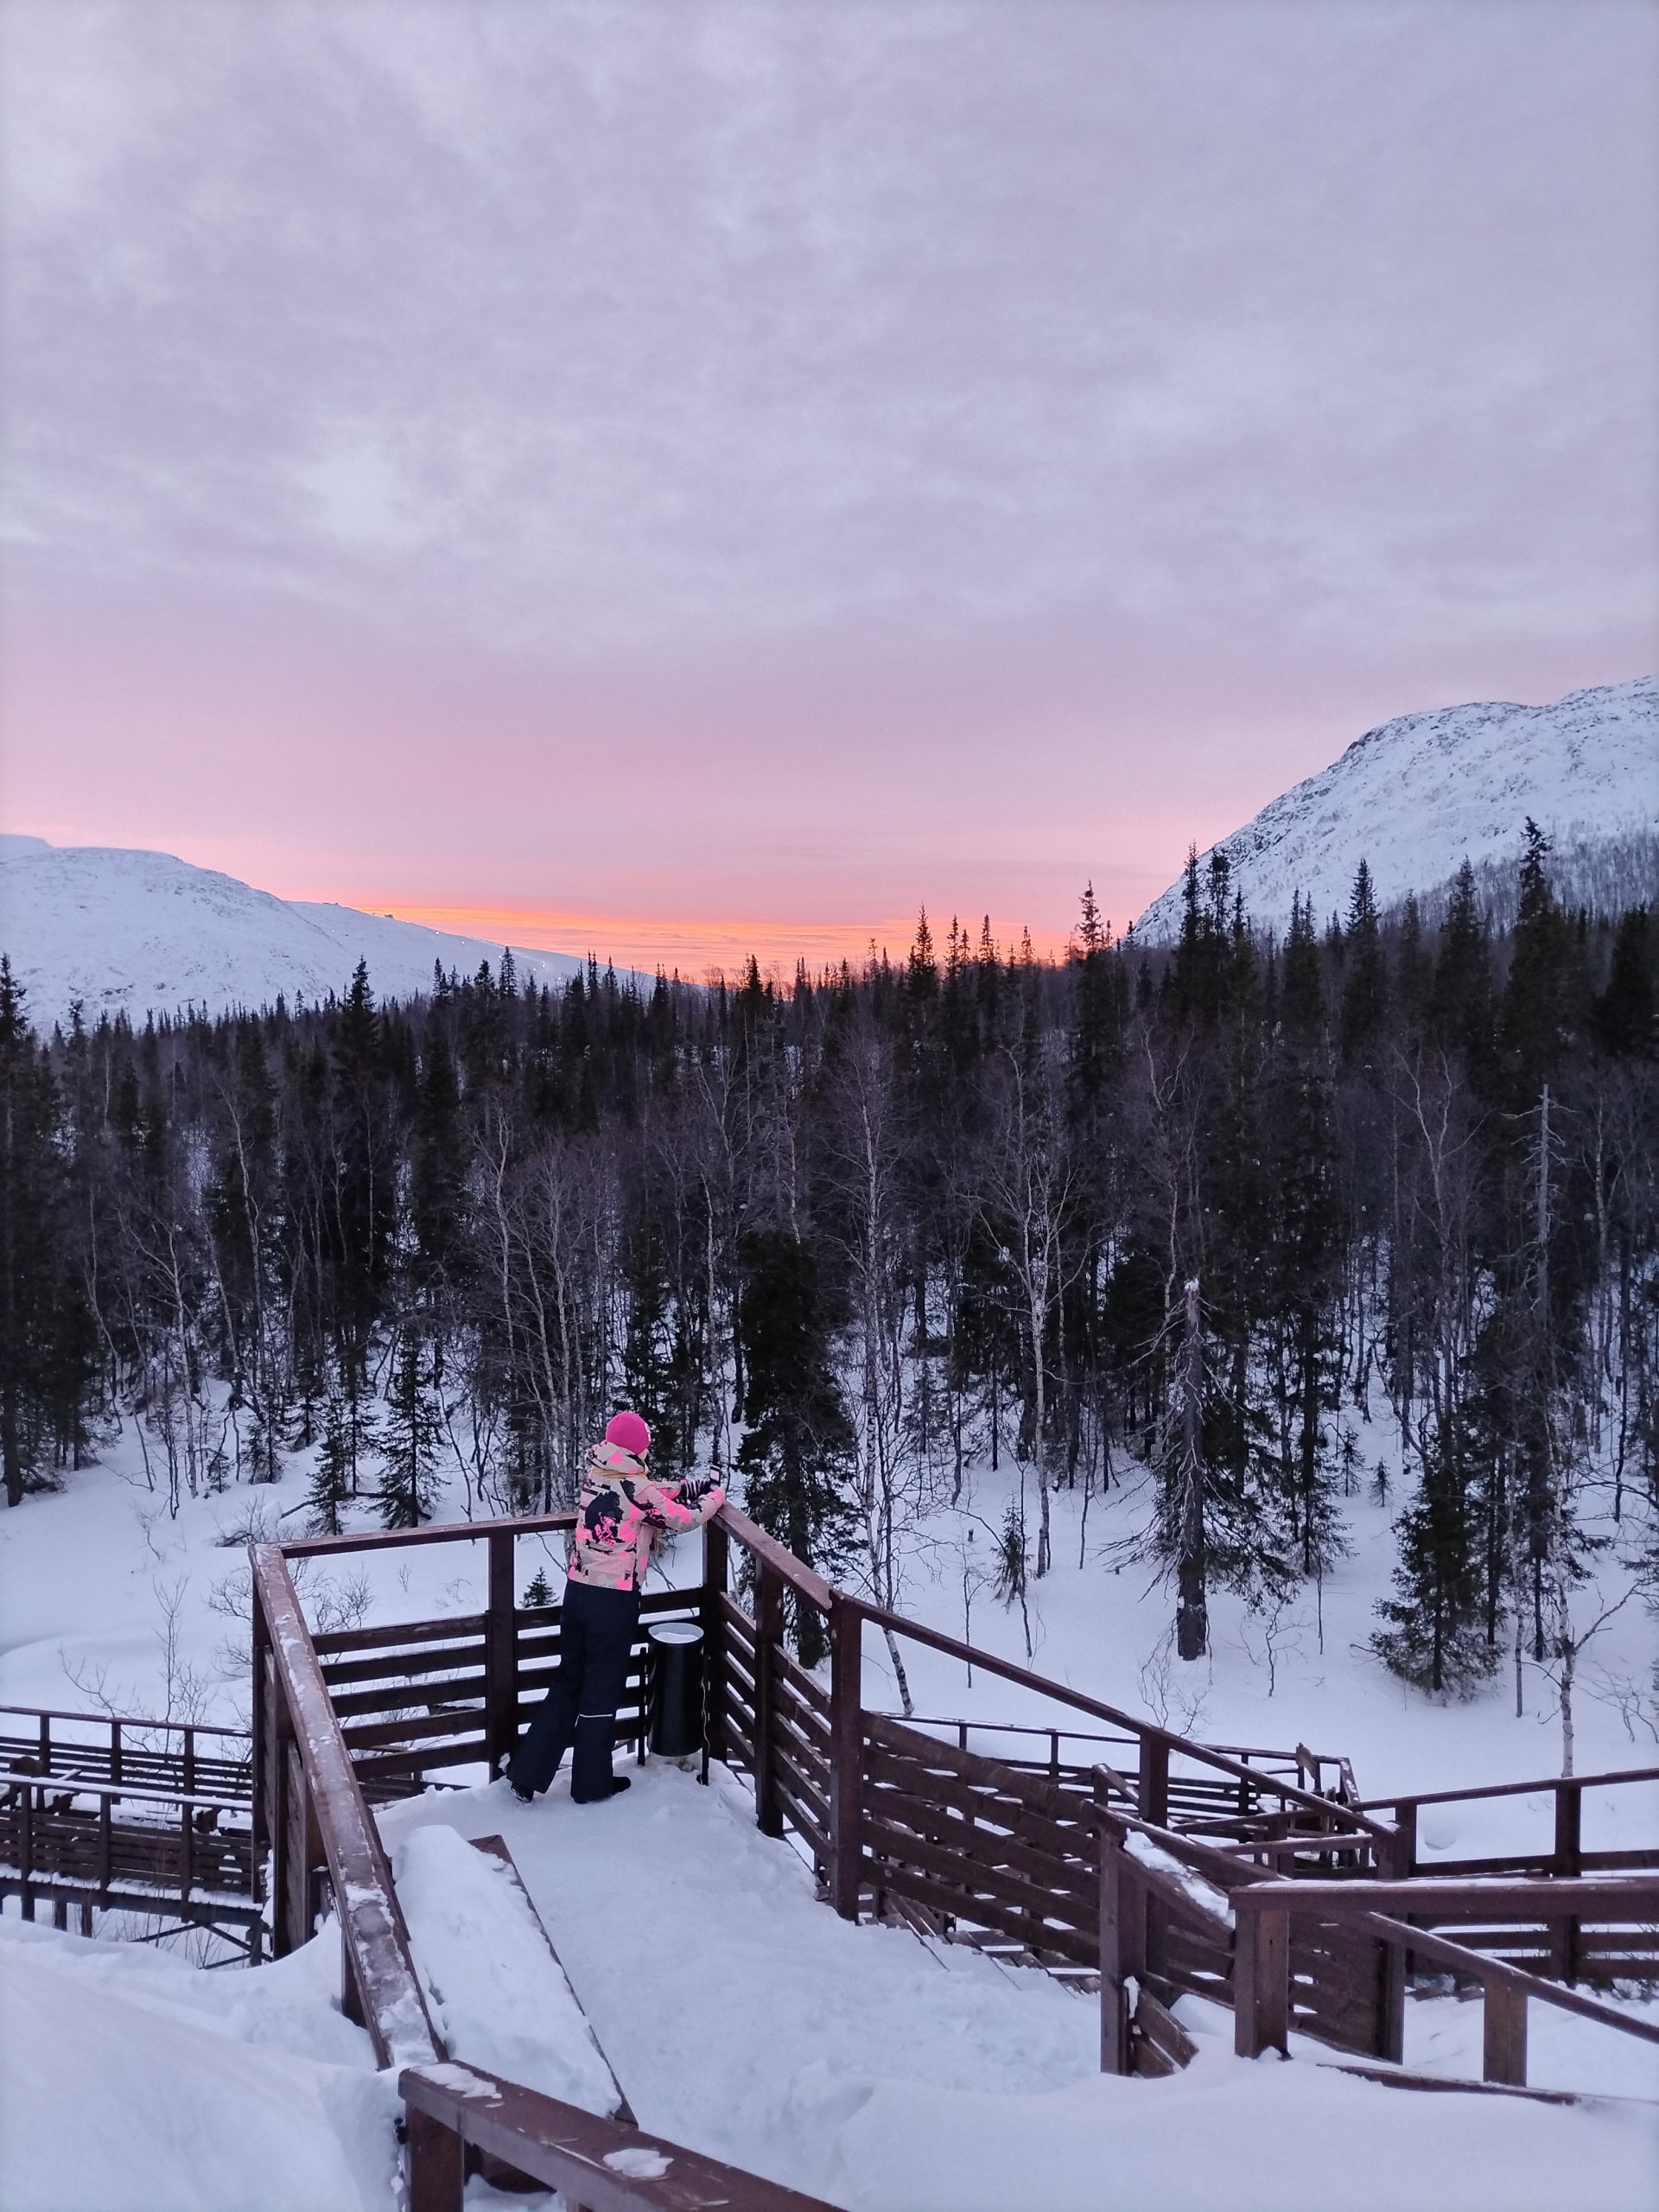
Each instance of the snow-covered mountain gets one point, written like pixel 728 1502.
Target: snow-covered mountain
pixel 137 932
pixel 1415 796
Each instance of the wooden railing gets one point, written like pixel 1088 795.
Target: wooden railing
pixel 106 1814
pixel 311 1813
pixel 1268 1912
pixel 597 2166
pixel 1566 1853
pixel 1139 1855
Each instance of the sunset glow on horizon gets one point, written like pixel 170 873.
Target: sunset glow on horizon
pixel 698 949
pixel 690 482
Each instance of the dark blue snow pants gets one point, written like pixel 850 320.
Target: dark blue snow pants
pixel 596 1633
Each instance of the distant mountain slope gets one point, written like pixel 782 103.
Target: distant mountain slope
pixel 1415 796
pixel 141 931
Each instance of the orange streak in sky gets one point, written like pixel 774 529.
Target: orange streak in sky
pixel 695 947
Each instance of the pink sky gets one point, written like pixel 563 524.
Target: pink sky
pixel 694 476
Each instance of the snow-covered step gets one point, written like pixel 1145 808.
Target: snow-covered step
pixel 498 1993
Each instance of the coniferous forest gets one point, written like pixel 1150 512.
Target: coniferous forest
pixel 1214 1210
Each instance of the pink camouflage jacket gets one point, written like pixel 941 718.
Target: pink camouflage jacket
pixel 620 1510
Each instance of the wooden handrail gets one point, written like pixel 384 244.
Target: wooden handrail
pixel 126 1720
pixel 431 1532
pixel 937 1640
pixel 381 1964
pixel 1339 1901
pixel 71 1785
pixel 784 1563
pixel 1586 1896
pixel 603 2165
pixel 1548 1787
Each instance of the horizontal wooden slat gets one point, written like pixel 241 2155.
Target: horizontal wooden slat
pixel 1033 1827
pixel 1040 1795
pixel 805 1816
pixel 804 1724
pixel 398 1697
pixel 812 1758
pixel 401 1666
pixel 988 1912
pixel 974 1881
pixel 802 1787
pixel 794 1676
pixel 395 1636
pixel 983 1847
pixel 414 1731
pixel 738 1623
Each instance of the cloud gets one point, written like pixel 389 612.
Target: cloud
pixel 945 380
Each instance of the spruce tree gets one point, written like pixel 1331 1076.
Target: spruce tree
pixel 332 1485
pixel 1437 1633
pixel 47 1348
pixel 797 1455
pixel 410 1442
pixel 1460 997
pixel 1365 977
pixel 436 1156
pixel 1536 1016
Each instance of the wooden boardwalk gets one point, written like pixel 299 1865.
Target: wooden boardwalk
pixel 1111 1852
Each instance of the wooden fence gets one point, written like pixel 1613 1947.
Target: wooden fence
pixel 103 1813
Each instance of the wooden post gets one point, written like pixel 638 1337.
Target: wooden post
pixel 1405 1854
pixel 768 1641
pixel 1152 1804
pixel 261 1778
pixel 1503 2042
pixel 1262 1984
pixel 1391 2008
pixel 1568 1863
pixel 1153 1794
pixel 846 1754
pixel 1122 1941
pixel 715 1554
pixel 438 2174
pixel 500 1654
pixel 1395 1859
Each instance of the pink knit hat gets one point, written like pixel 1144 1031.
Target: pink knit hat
pixel 631 1433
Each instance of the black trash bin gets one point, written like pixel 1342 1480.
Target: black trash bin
pixel 676 1689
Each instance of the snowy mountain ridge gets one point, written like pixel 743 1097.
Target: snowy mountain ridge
pixel 1416 796
pixel 133 932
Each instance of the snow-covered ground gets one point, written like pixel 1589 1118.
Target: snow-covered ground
pixel 131 2082
pixel 741 2016
pixel 128 931
pixel 745 2020
pixel 1417 796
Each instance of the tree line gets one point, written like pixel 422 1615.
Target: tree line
pixel 1180 1216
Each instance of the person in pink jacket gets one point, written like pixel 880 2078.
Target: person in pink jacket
pixel 619 1513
